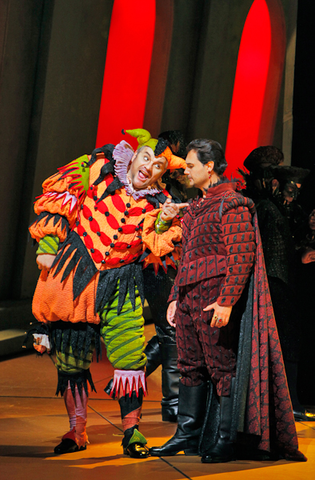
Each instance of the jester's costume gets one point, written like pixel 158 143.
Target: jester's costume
pixel 103 233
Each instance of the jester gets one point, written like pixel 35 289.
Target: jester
pixel 102 219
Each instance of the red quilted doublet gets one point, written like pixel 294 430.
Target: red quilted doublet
pixel 218 239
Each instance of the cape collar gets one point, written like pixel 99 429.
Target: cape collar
pixel 220 187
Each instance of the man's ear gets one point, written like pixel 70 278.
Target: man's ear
pixel 210 166
pixel 134 156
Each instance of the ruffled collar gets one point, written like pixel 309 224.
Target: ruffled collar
pixel 122 154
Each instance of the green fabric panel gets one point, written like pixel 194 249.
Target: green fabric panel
pixel 70 362
pixel 48 244
pixel 123 334
pixel 83 171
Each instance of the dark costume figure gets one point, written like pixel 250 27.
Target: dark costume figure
pixel 291 182
pixel 238 351
pixel 99 222
pixel 274 191
pixel 305 275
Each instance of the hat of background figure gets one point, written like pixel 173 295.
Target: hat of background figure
pixel 159 146
pixel 263 157
pixel 289 174
pixel 176 142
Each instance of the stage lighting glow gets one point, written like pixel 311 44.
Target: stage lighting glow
pixel 127 69
pixel 249 86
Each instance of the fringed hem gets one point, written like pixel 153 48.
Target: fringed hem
pixel 134 379
pixel 129 276
pixel 80 380
pixel 79 336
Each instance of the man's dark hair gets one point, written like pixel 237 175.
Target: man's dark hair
pixel 209 151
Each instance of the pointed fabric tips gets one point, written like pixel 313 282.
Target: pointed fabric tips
pixel 133 379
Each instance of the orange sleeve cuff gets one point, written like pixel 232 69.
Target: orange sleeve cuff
pixel 39 229
pixel 160 244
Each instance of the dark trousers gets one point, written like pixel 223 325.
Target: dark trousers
pixel 204 351
pixel 157 288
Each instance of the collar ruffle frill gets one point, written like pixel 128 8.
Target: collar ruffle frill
pixel 122 154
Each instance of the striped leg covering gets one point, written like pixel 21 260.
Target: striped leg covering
pixel 77 413
pixel 123 336
pixel 74 353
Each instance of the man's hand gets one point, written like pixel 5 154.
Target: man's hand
pixel 170 209
pixel 45 261
pixel 170 314
pixel 308 256
pixel 221 315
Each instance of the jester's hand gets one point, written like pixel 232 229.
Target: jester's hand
pixel 45 261
pixel 170 210
pixel 41 343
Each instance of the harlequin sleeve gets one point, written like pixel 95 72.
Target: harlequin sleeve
pixel 63 193
pixel 239 239
pixel 163 248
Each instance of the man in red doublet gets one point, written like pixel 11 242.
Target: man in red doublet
pixel 225 329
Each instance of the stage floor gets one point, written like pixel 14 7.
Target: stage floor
pixel 33 420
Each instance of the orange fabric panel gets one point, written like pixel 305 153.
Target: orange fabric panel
pixel 156 261
pixel 55 183
pixel 63 204
pixel 53 296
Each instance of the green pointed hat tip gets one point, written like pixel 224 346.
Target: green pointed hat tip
pixel 143 137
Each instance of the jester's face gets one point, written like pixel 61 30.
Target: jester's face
pixel 145 168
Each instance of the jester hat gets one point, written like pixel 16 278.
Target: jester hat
pixel 160 147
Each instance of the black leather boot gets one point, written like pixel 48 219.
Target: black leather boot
pixel 157 287
pixel 152 351
pixel 191 410
pixel 223 450
pixel 170 379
